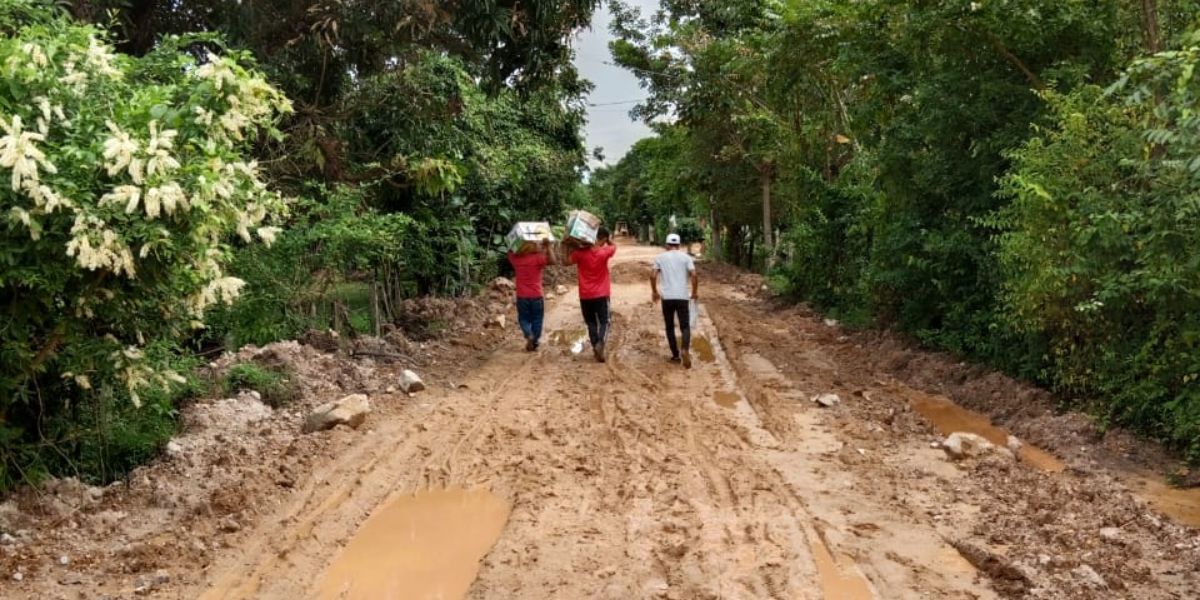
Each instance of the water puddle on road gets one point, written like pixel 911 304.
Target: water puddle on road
pixel 426 545
pixel 948 417
pixel 726 399
pixel 704 349
pixel 1182 505
pixel 839 579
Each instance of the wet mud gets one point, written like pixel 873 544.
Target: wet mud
pixel 425 545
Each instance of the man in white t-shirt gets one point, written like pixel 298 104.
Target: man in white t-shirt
pixel 675 270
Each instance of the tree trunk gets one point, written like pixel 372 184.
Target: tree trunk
pixel 1150 23
pixel 1153 46
pixel 717 250
pixel 768 230
pixel 376 315
pixel 750 252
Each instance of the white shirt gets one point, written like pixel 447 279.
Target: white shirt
pixel 673 268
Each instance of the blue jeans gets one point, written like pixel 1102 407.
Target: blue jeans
pixel 530 312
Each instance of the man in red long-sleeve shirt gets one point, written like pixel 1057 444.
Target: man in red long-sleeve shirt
pixel 595 288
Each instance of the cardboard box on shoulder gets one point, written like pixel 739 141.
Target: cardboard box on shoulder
pixel 525 237
pixel 583 226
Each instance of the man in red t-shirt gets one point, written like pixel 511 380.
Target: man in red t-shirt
pixel 595 287
pixel 531 307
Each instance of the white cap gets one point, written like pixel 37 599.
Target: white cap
pixel 673 239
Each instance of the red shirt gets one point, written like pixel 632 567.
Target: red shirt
pixel 592 264
pixel 529 269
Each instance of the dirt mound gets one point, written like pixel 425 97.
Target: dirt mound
pixel 631 273
pixel 751 285
pixel 1061 533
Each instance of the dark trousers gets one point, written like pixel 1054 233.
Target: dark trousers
pixel 595 314
pixel 530 312
pixel 670 309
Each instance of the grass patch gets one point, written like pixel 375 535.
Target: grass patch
pixel 276 385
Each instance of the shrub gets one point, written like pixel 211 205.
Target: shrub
pixel 276 385
pixel 689 230
pixel 1101 251
pixel 126 178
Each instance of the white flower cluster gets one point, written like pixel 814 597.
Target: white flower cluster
pixel 99 59
pixel 123 153
pixel 19 152
pixel 129 362
pixel 95 246
pixel 249 99
pixel 36 55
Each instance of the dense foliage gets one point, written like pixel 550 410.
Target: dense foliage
pixel 1011 180
pixel 128 180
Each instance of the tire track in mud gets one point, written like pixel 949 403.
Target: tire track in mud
pixel 923 563
pixel 690 543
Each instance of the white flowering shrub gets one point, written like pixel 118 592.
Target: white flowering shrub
pixel 123 182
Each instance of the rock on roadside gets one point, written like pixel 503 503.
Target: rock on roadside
pixel 827 400
pixel 410 382
pixel 351 410
pixel 960 445
pixel 503 284
pixel 1089 576
pixel 561 290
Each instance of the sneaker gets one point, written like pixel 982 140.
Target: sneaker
pixel 530 345
pixel 687 359
pixel 598 349
pixel 674 359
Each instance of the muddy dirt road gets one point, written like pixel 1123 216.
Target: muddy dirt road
pixel 549 475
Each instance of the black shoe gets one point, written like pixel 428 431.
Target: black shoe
pixel 598 349
pixel 530 345
pixel 674 359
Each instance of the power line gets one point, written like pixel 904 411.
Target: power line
pixel 735 87
pixel 594 104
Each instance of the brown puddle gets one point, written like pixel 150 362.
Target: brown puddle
pixel 419 546
pixel 948 417
pixel 838 578
pixel 1182 505
pixel 704 349
pixel 726 399
pixel 571 339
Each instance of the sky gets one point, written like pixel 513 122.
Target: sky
pixel 609 127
